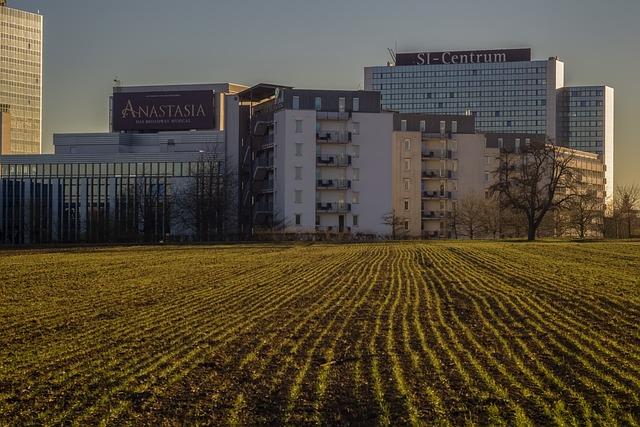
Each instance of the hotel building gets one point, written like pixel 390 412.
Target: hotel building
pixel 20 81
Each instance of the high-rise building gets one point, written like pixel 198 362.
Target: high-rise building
pixel 506 91
pixel 20 81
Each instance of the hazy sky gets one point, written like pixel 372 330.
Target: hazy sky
pixel 321 44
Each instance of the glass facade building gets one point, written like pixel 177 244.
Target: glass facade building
pixel 20 81
pixel 510 97
pixel 52 200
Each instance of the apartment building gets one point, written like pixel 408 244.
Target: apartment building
pixel 437 160
pixel 321 160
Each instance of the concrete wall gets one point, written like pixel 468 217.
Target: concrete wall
pixel 375 164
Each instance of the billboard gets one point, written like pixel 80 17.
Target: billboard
pixel 463 57
pixel 163 111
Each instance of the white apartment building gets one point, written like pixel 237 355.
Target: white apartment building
pixel 323 163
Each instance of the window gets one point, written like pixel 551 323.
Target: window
pixel 355 220
pixel 407 145
pixel 318 103
pixel 403 125
pixel 356 104
pixel 527 141
pixel 356 128
pixel 298 219
pixel 355 197
pixel 298 198
pixel 356 174
pixel 296 102
pixel 342 104
pixel 443 127
pixel 318 220
pixel 517 145
pixel 298 172
pixel 298 149
pixel 298 126
pixel 407 164
pixel 500 143
pixel 423 125
pixel 407 184
pixel 406 224
pixel 356 151
pixel 406 204
pixel 454 126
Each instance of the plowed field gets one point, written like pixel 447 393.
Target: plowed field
pixel 403 333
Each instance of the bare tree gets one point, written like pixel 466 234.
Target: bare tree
pixel 491 217
pixel 396 223
pixel 534 181
pixel 205 205
pixel 626 202
pixel 584 213
pixel 468 215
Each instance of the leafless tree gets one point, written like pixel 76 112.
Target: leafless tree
pixel 396 223
pixel 205 205
pixel 584 213
pixel 468 215
pixel 538 179
pixel 626 202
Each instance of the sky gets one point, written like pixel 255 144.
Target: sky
pixel 320 45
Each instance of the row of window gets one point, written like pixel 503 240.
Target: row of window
pixel 460 72
pixel 584 93
pixel 468 104
pixel 105 169
pixel 464 83
pixel 584 103
pixel 474 94
pixel 342 103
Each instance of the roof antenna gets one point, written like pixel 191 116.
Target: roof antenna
pixel 393 57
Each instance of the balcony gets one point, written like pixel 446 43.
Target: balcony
pixel 333 115
pixel 340 160
pixel 436 215
pixel 333 137
pixel 333 207
pixel 438 174
pixel 263 186
pixel 333 184
pixel 438 154
pixel 437 195
pixel 263 208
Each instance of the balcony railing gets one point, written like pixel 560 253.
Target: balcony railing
pixel 341 160
pixel 263 186
pixel 436 215
pixel 333 184
pixel 263 208
pixel 333 115
pixel 437 195
pixel 333 137
pixel 333 207
pixel 438 174
pixel 438 154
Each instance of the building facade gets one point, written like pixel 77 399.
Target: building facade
pixel 438 160
pixel 20 81
pixel 506 91
pixel 163 173
pixel 320 162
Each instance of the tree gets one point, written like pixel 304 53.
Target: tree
pixel 395 222
pixel 206 204
pixel 534 181
pixel 585 213
pixel 626 202
pixel 468 215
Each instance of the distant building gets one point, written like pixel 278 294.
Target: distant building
pixel 506 90
pixel 20 81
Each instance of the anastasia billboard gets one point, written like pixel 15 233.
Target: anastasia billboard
pixel 163 111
